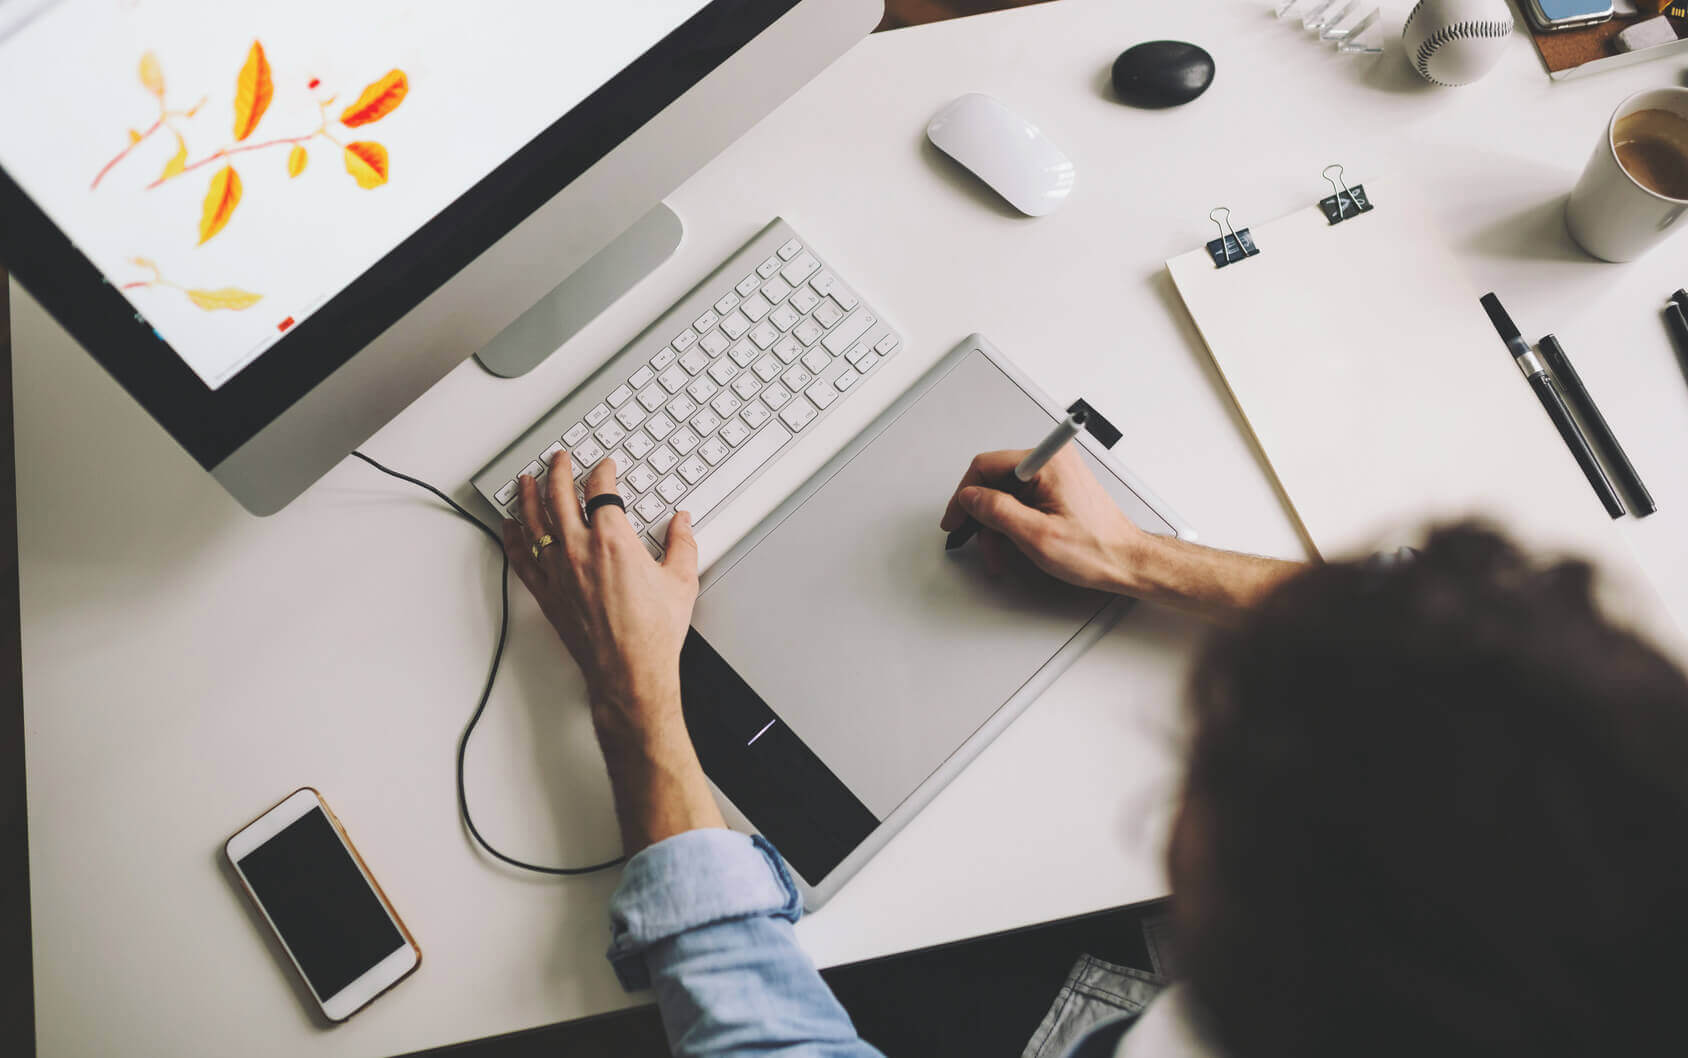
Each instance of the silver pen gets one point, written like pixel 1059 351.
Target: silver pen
pixel 1035 460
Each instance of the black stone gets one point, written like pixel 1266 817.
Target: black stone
pixel 1162 73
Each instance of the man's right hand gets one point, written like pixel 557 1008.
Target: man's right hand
pixel 1069 526
pixel 1064 522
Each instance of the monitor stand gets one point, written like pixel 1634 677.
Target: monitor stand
pixel 577 300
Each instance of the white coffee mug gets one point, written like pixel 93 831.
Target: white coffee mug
pixel 1610 214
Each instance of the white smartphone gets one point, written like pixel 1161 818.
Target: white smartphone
pixel 315 891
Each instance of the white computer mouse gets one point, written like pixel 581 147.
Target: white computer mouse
pixel 1005 151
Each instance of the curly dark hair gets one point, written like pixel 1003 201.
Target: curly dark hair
pixel 1436 809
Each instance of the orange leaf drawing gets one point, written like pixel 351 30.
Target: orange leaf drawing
pixel 134 137
pixel 367 162
pixel 178 161
pixel 252 92
pixel 296 159
pixel 377 101
pixel 220 201
pixel 152 75
pixel 232 298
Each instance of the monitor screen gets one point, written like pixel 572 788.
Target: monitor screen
pixel 230 166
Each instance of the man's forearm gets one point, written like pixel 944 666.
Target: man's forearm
pixel 658 783
pixel 1172 571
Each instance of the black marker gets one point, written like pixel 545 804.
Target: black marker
pixel 1542 382
pixel 1604 439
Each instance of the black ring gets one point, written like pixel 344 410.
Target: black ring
pixel 608 499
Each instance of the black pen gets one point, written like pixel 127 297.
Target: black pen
pixel 1542 382
pixel 1035 460
pixel 1604 438
pixel 1678 324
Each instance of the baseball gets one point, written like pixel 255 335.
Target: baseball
pixel 1455 42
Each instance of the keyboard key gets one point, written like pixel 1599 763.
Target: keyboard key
pixel 829 313
pixel 790 250
pixel 684 440
pixel 755 307
pixel 694 361
pixel 775 290
pixel 630 416
pixel 635 521
pixel 639 479
pixel 507 493
pixel 798 414
pixel 868 363
pixel 652 397
pixel 768 267
pixel 576 434
pixel 674 379
pixel 619 460
pixel 734 433
pixel 755 414
pixel 550 450
pixel 845 381
pixel 823 283
pixel 764 335
pixel 804 301
pixel 776 395
pixel 705 422
pixel 715 450
pixel 857 351
pixel 746 385
pixel 686 340
pixel 727 303
pixel 641 378
pixel 610 434
pixel 701 390
pixel 534 470
pixel 735 472
pixel 796 378
pixel 735 325
pixel 663 459
pixel 664 358
pixel 693 470
pixel 660 426
pixel 714 343
pixel 816 360
pixel 767 368
pixel 586 456
pixel 809 332
pixel 706 323
pixel 846 300
pixel 619 396
pixel 652 546
pixel 887 345
pixel 748 285
pixel 784 317
pixel 743 353
pixel 680 408
pixel 651 507
pixel 726 405
pixel 639 445
pixel 722 371
pixel 848 331
pixel 789 349
pixel 671 488
pixel 800 269
pixel 822 394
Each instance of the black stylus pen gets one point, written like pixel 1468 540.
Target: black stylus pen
pixel 1604 438
pixel 1542 382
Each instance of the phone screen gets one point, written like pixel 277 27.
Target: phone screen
pixel 1560 10
pixel 321 904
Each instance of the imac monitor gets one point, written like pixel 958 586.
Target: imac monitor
pixel 276 225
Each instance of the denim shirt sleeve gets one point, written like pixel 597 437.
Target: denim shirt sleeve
pixel 706 919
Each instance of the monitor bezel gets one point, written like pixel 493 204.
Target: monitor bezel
pixel 212 424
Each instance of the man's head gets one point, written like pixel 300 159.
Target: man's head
pixel 1436 809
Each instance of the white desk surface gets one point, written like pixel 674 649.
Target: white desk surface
pixel 186 665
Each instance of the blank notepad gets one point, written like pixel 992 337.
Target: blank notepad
pixel 1383 399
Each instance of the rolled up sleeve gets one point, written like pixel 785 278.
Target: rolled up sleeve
pixel 705 919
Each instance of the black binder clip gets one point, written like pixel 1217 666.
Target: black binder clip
pixel 1232 245
pixel 1347 202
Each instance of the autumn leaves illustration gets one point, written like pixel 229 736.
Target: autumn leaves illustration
pixel 365 160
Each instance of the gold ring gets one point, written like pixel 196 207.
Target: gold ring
pixel 541 544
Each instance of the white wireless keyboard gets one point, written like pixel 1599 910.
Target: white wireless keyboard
pixel 702 402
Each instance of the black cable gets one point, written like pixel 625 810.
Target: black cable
pixel 491 678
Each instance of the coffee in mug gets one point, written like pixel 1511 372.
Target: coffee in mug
pixel 1635 188
pixel 1652 147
